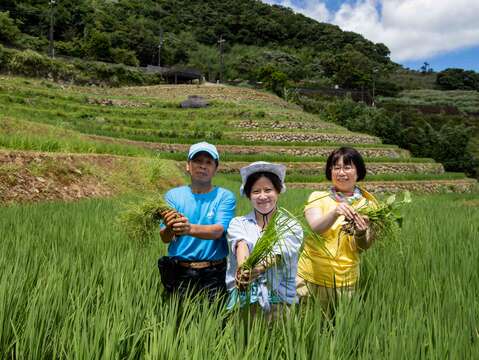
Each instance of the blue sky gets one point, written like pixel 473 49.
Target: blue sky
pixel 443 33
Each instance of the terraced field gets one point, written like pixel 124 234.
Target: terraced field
pixel 74 286
pixel 247 126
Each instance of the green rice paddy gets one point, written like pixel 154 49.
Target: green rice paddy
pixel 73 286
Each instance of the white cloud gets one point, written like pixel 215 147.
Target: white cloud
pixel 412 29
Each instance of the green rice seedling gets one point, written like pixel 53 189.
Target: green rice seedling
pixel 140 221
pixel 279 224
pixel 384 219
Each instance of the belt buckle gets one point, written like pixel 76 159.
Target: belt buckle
pixel 199 264
pixel 194 264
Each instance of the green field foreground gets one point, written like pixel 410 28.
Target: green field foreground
pixel 72 286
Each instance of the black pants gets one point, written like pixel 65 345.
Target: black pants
pixel 183 280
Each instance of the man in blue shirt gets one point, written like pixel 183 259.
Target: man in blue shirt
pixel 196 230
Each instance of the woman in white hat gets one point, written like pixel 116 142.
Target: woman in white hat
pixel 272 282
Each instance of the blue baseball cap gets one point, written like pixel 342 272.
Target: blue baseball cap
pixel 203 147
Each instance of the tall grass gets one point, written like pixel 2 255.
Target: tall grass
pixel 73 286
pixel 51 143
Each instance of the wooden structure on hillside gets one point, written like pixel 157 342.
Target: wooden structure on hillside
pixel 175 75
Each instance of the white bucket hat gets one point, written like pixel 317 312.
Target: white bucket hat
pixel 262 166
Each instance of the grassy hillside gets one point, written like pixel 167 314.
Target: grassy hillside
pixel 33 176
pixel 246 125
pixel 467 102
pixel 413 80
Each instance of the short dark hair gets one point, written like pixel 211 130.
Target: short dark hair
pixel 205 153
pixel 349 155
pixel 250 181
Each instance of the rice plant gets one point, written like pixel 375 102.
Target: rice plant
pixel 75 286
pixel 141 220
pixel 384 219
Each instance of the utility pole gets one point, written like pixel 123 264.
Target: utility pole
pixel 51 49
pixel 159 46
pixel 221 42
pixel 375 71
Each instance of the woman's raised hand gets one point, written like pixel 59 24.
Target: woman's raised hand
pixel 245 277
pixel 361 223
pixel 346 210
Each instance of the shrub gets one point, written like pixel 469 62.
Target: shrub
pixel 453 79
pixel 445 141
pixel 4 58
pixel 30 63
pixel 273 79
pixel 9 32
pixel 124 56
pixel 26 41
pixel 70 48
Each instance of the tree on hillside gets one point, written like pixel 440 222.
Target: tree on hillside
pixel 458 79
pixel 205 59
pixel 248 22
pixel 256 34
pixel 9 32
pixel 273 79
pixel 354 69
pixel 426 68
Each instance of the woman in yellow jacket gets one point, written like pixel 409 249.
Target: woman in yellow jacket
pixel 331 269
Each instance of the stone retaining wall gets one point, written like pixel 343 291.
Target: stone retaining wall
pixel 306 137
pixel 372 168
pixel 306 125
pixel 377 187
pixel 392 152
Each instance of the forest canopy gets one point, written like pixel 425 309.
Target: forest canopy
pixel 255 35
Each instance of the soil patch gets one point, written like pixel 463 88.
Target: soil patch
pixel 34 176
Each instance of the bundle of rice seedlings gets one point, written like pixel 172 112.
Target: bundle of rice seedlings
pixel 278 226
pixel 140 221
pixel 384 219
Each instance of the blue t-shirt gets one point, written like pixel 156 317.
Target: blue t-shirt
pixel 216 207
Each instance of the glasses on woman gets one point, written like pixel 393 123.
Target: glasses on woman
pixel 345 168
